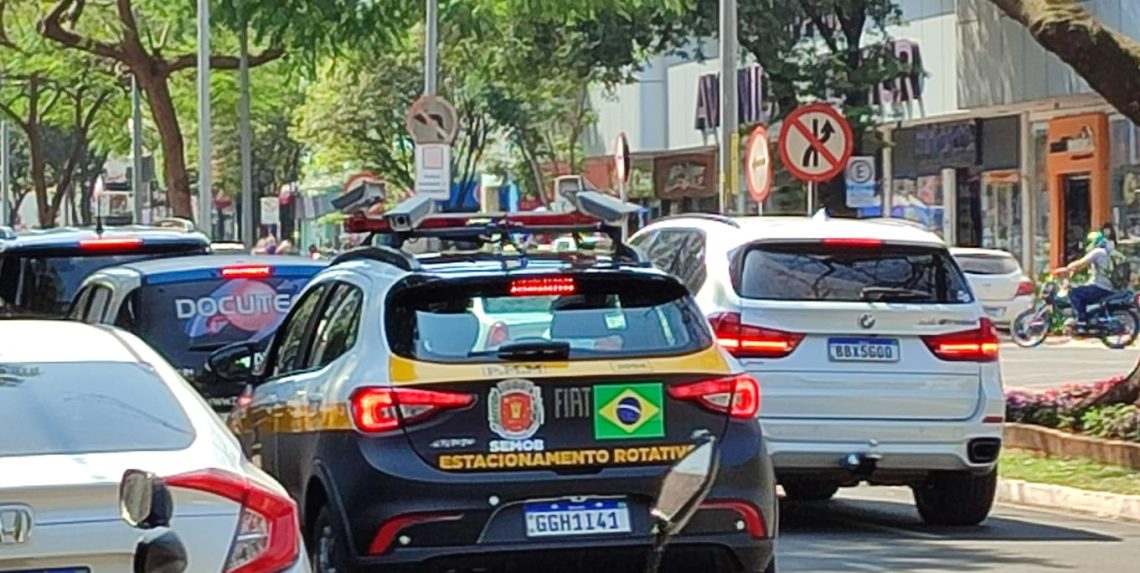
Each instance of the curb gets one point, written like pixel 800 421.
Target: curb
pixel 1067 499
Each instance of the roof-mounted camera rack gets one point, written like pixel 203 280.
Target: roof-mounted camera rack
pixel 414 218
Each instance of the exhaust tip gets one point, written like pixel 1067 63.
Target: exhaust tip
pixel 983 450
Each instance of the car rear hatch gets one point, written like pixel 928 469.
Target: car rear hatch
pixel 623 374
pixel 39 281
pixel 994 277
pixel 186 315
pixel 857 330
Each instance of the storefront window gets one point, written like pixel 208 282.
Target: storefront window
pixel 1001 212
pixel 1125 179
pixel 1040 186
pixel 919 201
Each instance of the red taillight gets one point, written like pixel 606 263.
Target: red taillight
pixel 869 243
pixel 387 532
pixel 977 345
pixel 543 286
pixel 247 272
pixel 498 334
pixel 118 244
pixel 1024 289
pixel 753 521
pixel 738 396
pixel 747 341
pixel 376 410
pixel 267 537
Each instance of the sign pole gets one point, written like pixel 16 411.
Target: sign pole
pixel 205 167
pixel 5 209
pixel 810 198
pixel 431 47
pixel 728 117
pixel 136 152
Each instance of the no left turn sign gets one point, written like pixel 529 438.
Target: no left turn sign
pixel 815 142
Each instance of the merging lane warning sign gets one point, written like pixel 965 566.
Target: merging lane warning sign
pixel 815 143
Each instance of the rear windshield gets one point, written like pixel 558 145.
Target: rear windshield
pixel 817 273
pixel 987 264
pixel 42 285
pixel 186 321
pixel 604 317
pixel 83 408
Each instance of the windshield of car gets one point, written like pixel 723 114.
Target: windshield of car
pixel 814 272
pixel 596 317
pixel 996 264
pixel 68 408
pixel 186 321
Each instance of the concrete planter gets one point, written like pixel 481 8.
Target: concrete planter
pixel 1063 444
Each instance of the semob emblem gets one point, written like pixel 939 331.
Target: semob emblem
pixel 15 524
pixel 515 409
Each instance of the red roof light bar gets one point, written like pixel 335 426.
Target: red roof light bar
pixel 247 272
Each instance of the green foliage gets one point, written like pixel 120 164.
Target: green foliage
pixel 1115 421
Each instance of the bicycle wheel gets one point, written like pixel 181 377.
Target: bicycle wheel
pixel 1030 328
pixel 1122 328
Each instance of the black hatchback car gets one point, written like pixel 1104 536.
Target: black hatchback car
pixel 40 271
pixel 186 308
pixel 480 411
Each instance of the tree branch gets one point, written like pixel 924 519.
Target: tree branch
pixel 51 27
pixel 187 61
pixel 1109 61
pixel 824 30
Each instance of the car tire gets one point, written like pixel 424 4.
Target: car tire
pixel 328 548
pixel 810 490
pixel 956 498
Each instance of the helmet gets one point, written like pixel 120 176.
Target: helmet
pixel 1095 240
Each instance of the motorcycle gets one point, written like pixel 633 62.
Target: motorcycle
pixel 145 504
pixel 1115 320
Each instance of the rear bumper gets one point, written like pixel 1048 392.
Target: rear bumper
pixel 684 554
pixel 375 482
pixel 904 451
pixel 1002 312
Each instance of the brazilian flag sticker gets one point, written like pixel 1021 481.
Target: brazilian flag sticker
pixel 629 411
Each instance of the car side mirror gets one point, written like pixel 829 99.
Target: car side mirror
pixel 160 551
pixel 685 487
pixel 144 500
pixel 234 363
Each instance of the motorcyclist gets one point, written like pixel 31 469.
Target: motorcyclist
pixel 1098 260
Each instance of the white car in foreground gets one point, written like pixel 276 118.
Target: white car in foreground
pixel 83 404
pixel 876 364
pixel 997 281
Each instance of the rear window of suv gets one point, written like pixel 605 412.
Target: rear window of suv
pixel 817 272
pixel 599 316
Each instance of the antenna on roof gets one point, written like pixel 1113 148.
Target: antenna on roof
pixel 95 193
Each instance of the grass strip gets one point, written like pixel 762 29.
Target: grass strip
pixel 1079 473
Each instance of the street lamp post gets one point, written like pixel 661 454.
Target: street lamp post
pixel 247 207
pixel 136 150
pixel 728 116
pixel 205 169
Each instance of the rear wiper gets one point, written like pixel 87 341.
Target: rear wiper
pixel 522 351
pixel 873 293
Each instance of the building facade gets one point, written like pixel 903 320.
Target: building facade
pixel 998 143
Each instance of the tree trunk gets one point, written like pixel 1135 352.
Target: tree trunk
pixel 39 176
pixel 1109 61
pixel 173 149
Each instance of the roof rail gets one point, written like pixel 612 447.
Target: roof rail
pixel 703 216
pixel 382 254
pixel 897 222
pixel 175 223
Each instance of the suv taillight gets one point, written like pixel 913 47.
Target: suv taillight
pixel 977 345
pixel 747 341
pixel 267 536
pixel 376 410
pixel 738 396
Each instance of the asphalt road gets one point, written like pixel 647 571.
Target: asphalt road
pixel 1053 365
pixel 877 529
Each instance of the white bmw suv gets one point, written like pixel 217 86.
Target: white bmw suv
pixel 876 362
